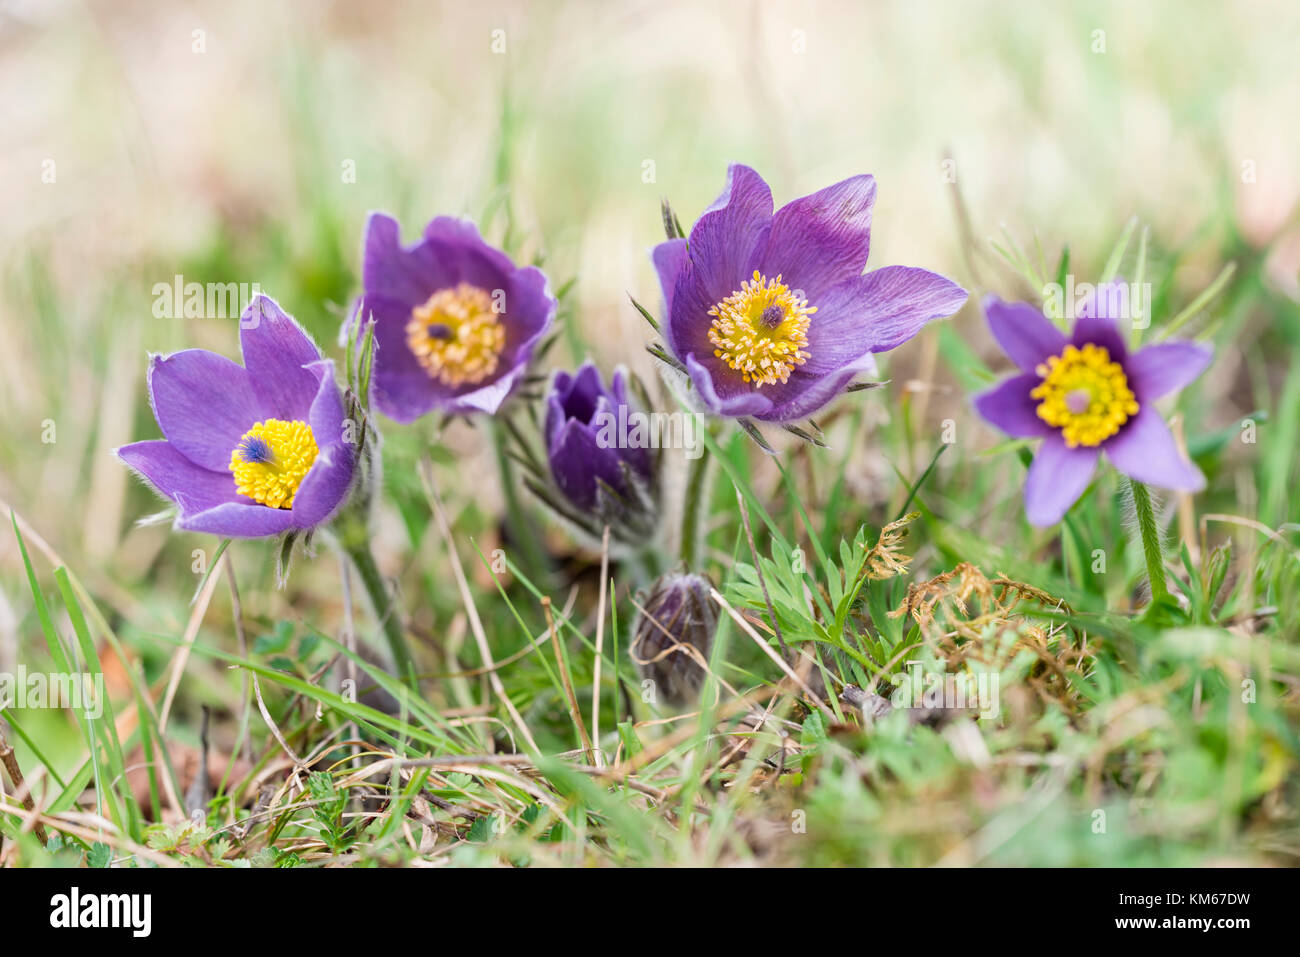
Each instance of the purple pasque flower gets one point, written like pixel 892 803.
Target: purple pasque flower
pixel 252 450
pixel 1085 393
pixel 771 314
pixel 599 455
pixel 588 441
pixel 456 321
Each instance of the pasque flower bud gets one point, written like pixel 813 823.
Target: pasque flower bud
pixel 673 636
pixel 599 474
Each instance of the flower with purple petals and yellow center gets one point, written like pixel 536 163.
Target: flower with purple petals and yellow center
pixel 771 314
pixel 1085 394
pixel 456 322
pixel 252 450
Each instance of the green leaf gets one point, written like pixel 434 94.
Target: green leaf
pixel 480 830
pixel 813 733
pixel 275 642
pixel 631 743
pixel 99 855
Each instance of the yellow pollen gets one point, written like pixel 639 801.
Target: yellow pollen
pixel 457 335
pixel 271 460
pixel 1085 395
pixel 761 330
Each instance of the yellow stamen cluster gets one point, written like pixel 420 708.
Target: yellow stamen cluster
pixel 1085 394
pixel 271 460
pixel 457 335
pixel 761 330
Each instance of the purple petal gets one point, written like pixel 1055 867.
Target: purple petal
pixel 618 386
pixel 1010 407
pixel 400 387
pixel 530 310
pixel 486 398
pixel 1145 450
pixel 1107 300
pixel 325 413
pixel 875 313
pixel 1023 332
pixel 903 299
pixel 823 238
pixel 577 461
pixel 725 236
pixel 239 521
pixel 580 394
pixel 325 488
pixel 1098 320
pixel 451 251
pixel 276 351
pixel 804 394
pixel 204 404
pixel 1057 478
pixel 668 258
pixel 190 486
pixel 458 245
pixel 728 394
pixel 555 417
pixel 637 456
pixel 387 269
pixel 722 245
pixel 1160 369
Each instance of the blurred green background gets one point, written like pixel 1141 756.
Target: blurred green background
pixel 214 141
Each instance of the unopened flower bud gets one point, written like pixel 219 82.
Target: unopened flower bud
pixel 673 636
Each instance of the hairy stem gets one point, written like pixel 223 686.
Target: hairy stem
pixel 694 511
pixel 1150 542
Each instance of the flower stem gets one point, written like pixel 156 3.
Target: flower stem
pixel 381 600
pixel 1150 542
pixel 694 511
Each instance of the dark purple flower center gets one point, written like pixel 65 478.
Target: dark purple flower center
pixel 580 407
pixel 772 316
pixel 438 330
pixel 580 397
